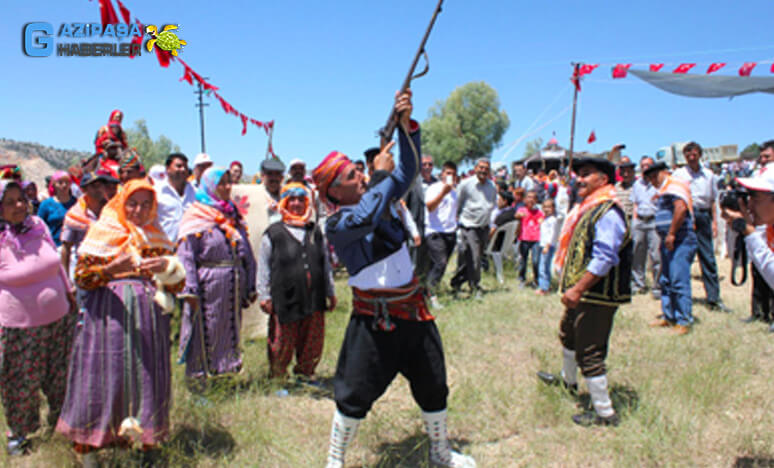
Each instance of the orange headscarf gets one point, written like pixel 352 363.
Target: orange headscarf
pixel 295 189
pixel 113 234
pixel 600 195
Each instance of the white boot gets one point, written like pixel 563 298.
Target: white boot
pixel 599 396
pixel 441 453
pixel 343 430
pixel 569 367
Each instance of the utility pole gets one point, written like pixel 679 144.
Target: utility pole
pixel 201 105
pixel 576 76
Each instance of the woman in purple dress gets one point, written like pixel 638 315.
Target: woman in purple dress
pixel 220 279
pixel 119 383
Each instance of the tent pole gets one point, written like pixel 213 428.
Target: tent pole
pixel 576 75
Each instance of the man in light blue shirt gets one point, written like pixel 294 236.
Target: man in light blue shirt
pixel 644 236
pixel 704 192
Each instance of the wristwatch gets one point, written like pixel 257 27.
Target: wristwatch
pixel 739 225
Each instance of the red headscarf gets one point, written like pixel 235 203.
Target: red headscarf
pixel 328 170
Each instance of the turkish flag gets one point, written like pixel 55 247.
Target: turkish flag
pixel 107 13
pixel 715 67
pixel 124 12
pixel 747 68
pixel 684 67
pixel 587 69
pixel 592 137
pixel 654 67
pixel 620 70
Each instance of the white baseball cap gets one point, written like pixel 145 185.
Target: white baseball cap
pixel 296 161
pixel 763 181
pixel 202 158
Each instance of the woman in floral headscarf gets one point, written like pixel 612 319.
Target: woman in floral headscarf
pixel 220 279
pixel 36 319
pixel 295 285
pixel 119 383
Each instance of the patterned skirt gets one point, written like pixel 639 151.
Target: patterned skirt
pixel 120 366
pixel 34 360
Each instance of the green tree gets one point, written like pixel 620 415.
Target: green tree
pixel 151 152
pixel 469 124
pixel 533 147
pixel 752 151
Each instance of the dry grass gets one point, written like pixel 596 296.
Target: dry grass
pixel 699 400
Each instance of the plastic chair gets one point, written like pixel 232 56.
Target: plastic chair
pixel 508 233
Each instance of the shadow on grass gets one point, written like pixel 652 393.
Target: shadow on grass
pixel 212 441
pixel 625 399
pixel 753 462
pixel 410 452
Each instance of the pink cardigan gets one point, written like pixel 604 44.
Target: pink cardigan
pixel 33 284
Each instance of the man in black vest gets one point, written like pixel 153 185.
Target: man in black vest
pixel 595 255
pixel 294 281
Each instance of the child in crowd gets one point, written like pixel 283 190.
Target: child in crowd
pixel 529 236
pixel 549 238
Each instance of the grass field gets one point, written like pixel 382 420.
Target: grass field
pixel 704 399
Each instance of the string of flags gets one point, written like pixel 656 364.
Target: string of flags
pixel 108 16
pixel 620 70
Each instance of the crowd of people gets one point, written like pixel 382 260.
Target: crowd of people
pixel 91 273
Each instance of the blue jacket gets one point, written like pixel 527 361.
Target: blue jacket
pixel 365 233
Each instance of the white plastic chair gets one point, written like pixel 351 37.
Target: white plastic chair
pixel 508 231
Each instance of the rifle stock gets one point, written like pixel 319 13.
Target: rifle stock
pixel 388 130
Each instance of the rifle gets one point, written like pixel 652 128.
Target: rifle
pixel 388 130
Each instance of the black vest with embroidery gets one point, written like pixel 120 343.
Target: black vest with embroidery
pixel 613 289
pixel 297 276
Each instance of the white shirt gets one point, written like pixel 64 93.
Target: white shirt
pixel 549 230
pixel 393 271
pixel 704 190
pixel 761 255
pixel 444 218
pixel 171 207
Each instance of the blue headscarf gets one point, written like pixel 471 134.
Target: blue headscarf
pixel 206 195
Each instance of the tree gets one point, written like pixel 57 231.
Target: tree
pixel 151 152
pixel 468 125
pixel 752 151
pixel 533 147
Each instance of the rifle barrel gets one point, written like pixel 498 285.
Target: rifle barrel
pixel 387 131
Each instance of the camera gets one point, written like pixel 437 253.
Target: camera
pixel 730 198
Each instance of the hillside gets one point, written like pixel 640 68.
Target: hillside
pixel 37 161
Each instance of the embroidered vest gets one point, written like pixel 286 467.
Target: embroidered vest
pixel 615 288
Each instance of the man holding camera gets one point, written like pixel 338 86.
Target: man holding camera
pixel 762 302
pixel 704 193
pixel 757 211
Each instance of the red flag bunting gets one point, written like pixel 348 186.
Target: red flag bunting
pixel 243 117
pixel 620 70
pixel 575 79
pixel 164 57
pixel 107 13
pixel 592 137
pixel 654 67
pixel 257 123
pixel 587 69
pixel 772 68
pixel 684 67
pixel 747 68
pixel 715 67
pixel 124 12
pixel 187 76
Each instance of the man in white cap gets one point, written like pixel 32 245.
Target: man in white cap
pixel 202 161
pixel 755 221
pixel 297 171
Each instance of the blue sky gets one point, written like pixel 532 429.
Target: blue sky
pixel 326 72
